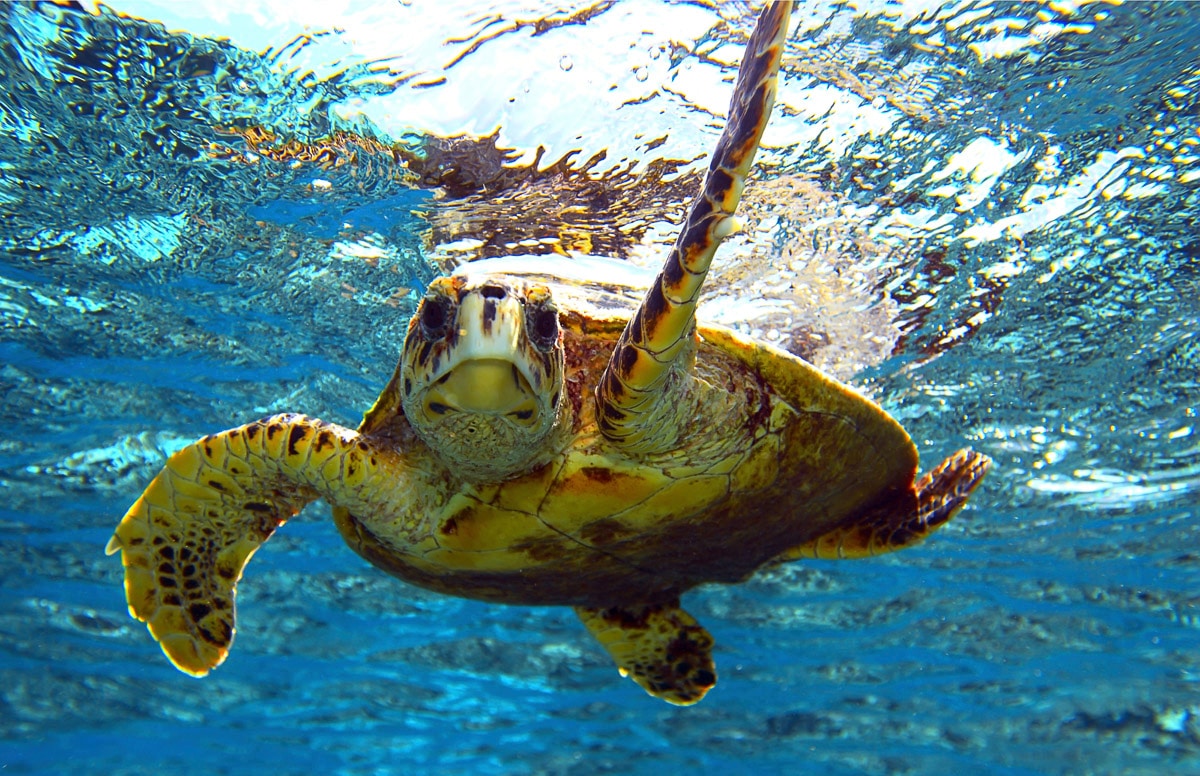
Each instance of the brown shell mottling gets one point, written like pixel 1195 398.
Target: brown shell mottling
pixel 771 454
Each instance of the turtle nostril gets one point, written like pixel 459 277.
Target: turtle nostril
pixel 493 292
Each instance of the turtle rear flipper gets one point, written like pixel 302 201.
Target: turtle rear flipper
pixel 905 521
pixel 186 540
pixel 659 646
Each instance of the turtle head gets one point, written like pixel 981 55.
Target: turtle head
pixel 482 374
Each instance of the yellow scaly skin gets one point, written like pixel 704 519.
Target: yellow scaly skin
pixel 185 541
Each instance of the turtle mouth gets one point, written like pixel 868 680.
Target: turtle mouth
pixel 486 386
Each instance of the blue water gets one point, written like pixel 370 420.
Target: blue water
pixel 982 214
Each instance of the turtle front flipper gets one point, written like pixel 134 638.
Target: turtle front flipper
pixel 630 395
pixel 659 646
pixel 185 541
pixel 902 522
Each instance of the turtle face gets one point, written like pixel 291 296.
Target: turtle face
pixel 482 374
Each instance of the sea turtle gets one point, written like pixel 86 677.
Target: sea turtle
pixel 536 446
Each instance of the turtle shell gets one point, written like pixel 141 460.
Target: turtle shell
pixel 771 454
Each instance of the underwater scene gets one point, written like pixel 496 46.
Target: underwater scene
pixel 982 215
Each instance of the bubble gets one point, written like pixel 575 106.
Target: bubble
pixel 565 64
pixel 641 73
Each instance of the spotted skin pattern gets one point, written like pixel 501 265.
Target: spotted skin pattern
pixel 615 461
pixel 187 539
pixel 659 646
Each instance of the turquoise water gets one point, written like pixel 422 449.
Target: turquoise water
pixel 981 214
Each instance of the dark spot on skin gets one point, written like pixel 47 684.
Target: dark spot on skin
pixel 554 399
pixel 191 584
pixel 450 527
pixel 637 326
pixel 423 353
pixel 273 429
pixel 719 181
pixel 541 549
pixel 523 414
pixel 252 431
pixel 603 531
pixel 681 646
pixel 762 413
pixel 225 572
pixel 166 582
pixel 199 611
pixel 189 570
pixel 294 438
pixel 612 388
pixel 166 568
pixel 167 552
pixel 672 273
pixel 696 239
pixel 438 408
pixel 172 599
pixel 489 313
pixel 703 209
pixel 597 473
pixel 633 619
pixel 704 678
pixel 407 386
pixel 324 439
pixel 612 414
pixel 185 553
pixel 216 485
pixel 654 307
pixel 208 453
pixel 606 426
pixel 628 358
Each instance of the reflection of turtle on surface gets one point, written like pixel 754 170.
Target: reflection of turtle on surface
pixel 537 444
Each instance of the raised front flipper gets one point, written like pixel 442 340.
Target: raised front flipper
pixel 659 646
pixel 632 406
pixel 939 494
pixel 185 541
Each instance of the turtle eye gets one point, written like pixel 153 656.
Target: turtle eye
pixel 436 312
pixel 541 323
